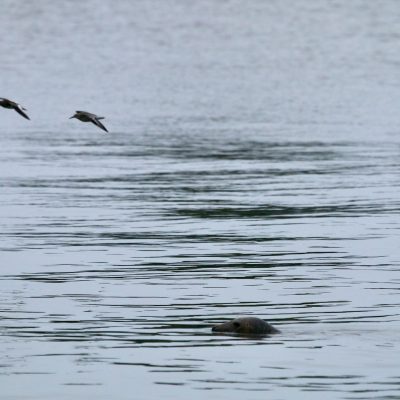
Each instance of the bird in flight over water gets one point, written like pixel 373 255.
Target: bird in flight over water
pixel 88 117
pixel 14 106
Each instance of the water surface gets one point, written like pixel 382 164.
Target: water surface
pixel 252 169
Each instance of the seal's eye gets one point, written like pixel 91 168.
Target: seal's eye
pixel 236 325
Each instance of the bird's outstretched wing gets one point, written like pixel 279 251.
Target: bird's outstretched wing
pixel 20 111
pixel 99 124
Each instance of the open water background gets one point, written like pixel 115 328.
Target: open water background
pixel 252 168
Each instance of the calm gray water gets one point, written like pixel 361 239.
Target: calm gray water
pixel 252 168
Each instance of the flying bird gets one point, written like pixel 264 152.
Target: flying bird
pixel 89 117
pixel 14 106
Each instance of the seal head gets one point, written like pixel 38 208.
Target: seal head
pixel 246 326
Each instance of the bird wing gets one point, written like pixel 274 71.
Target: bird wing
pixel 19 110
pixel 99 124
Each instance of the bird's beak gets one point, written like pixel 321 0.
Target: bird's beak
pixel 72 117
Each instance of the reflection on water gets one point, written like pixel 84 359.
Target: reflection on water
pixel 120 251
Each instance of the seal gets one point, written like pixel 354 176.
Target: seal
pixel 246 326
